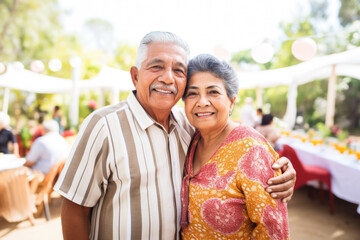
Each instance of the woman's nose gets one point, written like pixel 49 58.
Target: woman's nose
pixel 203 101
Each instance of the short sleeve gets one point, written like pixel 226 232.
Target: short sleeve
pixel 84 177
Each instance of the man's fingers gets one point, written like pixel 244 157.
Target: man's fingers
pixel 284 187
pixel 280 163
pixel 284 195
pixel 287 176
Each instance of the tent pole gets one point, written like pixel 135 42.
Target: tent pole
pixel 75 63
pixel 6 100
pixel 290 115
pixel 259 97
pixel 115 95
pixel 331 96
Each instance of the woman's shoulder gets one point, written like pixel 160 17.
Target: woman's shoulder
pixel 244 131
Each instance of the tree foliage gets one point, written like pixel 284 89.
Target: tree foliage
pixel 349 11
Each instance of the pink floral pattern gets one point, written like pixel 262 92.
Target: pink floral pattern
pixel 226 216
pixel 275 221
pixel 208 177
pixel 256 165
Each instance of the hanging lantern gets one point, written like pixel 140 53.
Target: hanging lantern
pixel 2 68
pixel 304 48
pixel 19 66
pixel 55 65
pixel 262 53
pixel 37 66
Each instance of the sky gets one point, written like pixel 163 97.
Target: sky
pixel 208 26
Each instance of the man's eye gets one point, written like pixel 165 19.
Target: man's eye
pixel 179 70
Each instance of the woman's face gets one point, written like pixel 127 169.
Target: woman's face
pixel 207 104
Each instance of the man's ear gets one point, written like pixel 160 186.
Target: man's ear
pixel 134 75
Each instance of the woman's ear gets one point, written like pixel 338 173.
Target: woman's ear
pixel 232 100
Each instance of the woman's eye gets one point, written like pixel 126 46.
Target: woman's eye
pixel 190 94
pixel 214 92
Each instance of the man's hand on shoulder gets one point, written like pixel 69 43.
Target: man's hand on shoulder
pixel 282 187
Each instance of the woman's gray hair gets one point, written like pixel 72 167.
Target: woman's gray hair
pixel 158 36
pixel 220 69
pixel 4 120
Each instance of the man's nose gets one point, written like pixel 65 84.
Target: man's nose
pixel 167 76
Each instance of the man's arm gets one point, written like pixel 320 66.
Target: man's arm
pixel 16 149
pixel 75 220
pixel 282 187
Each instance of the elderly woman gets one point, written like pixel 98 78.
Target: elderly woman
pixel 228 164
pixel 6 136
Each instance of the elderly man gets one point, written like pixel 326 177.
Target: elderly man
pixel 123 177
pixel 48 149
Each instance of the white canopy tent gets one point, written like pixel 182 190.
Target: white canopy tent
pixel 108 78
pixel 340 64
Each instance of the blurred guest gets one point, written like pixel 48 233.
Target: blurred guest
pixel 37 130
pixel 47 149
pixel 268 130
pixel 259 114
pixel 248 113
pixel 58 118
pixel 7 137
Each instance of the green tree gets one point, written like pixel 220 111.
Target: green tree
pixel 28 28
pixel 349 11
pixel 124 56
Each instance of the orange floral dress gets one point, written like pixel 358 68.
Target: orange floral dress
pixel 226 199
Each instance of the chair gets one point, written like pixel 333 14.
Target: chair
pixel 45 188
pixel 306 173
pixel 16 201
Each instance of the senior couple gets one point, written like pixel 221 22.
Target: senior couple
pixel 127 177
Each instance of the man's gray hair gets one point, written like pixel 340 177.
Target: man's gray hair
pixel 51 126
pixel 220 69
pixel 4 120
pixel 162 37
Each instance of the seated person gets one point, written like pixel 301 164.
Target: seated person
pixel 6 136
pixel 48 149
pixel 268 130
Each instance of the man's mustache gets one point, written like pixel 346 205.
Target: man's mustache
pixel 164 87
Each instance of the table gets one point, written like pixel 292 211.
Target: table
pixel 16 200
pixel 344 168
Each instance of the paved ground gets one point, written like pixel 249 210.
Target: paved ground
pixel 309 220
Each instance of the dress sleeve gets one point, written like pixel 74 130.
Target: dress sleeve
pixel 86 172
pixel 269 215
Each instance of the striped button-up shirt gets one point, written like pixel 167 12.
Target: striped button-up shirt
pixel 128 168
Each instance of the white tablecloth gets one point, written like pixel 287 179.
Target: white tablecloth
pixel 344 168
pixel 10 161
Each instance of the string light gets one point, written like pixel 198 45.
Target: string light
pixel 304 48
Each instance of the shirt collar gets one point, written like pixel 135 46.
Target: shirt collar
pixel 143 118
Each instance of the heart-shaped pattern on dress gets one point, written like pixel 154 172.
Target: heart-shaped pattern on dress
pixel 226 216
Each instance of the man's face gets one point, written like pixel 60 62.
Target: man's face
pixel 161 81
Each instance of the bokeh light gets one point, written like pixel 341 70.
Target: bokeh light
pixel 37 66
pixel 304 48
pixel 55 65
pixel 262 53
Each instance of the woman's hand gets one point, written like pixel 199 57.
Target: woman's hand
pixel 282 187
